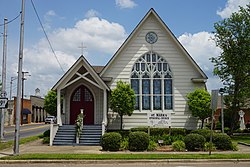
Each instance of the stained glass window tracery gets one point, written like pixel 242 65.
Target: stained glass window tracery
pixel 151 80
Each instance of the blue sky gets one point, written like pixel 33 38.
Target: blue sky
pixel 102 26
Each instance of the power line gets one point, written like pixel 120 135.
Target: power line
pixel 53 51
pixel 12 19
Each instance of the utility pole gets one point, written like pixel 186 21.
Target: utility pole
pixel 3 92
pixel 19 81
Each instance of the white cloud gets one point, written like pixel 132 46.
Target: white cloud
pixel 125 3
pixel 92 13
pixel 201 47
pixel 101 38
pixel 232 6
pixel 51 13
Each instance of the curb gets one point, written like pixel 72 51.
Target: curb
pixel 244 144
pixel 121 161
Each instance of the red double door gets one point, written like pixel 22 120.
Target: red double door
pixel 82 98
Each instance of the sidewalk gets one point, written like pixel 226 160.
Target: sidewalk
pixel 38 147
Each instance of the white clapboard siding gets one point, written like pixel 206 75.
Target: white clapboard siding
pixel 182 68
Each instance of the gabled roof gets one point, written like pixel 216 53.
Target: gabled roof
pixel 81 62
pixel 152 12
pixel 98 69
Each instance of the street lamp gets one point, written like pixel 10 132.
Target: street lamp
pixel 221 91
pixel 23 79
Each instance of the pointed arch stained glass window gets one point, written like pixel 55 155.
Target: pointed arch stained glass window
pixel 151 80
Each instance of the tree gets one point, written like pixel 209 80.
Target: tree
pixel 199 104
pixel 122 100
pixel 232 35
pixel 50 103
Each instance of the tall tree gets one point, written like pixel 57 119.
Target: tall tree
pixel 122 100
pixel 50 103
pixel 232 35
pixel 199 104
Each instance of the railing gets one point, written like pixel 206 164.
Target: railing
pixel 53 130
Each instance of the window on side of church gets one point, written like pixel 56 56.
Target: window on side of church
pixel 151 80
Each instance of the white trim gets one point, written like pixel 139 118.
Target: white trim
pixel 71 93
pixel 81 62
pixel 83 77
pixel 68 84
pixel 59 119
pixel 105 120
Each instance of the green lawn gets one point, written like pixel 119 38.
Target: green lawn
pixel 124 156
pixel 9 144
pixel 244 139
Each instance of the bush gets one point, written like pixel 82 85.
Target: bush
pixel 138 141
pixel 222 141
pixel 152 145
pixel 111 141
pixel 46 133
pixel 161 131
pixel 178 131
pixel 178 145
pixel 124 144
pixel 194 142
pixel 235 147
pixel 204 132
pixel 207 146
pixel 176 138
pixel 46 140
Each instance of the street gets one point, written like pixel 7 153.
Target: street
pixel 25 130
pixel 139 164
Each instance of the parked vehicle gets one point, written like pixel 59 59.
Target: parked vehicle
pixel 49 118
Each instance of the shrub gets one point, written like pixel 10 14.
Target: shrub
pixel 178 145
pixel 46 133
pixel 111 141
pixel 204 132
pixel 235 147
pixel 124 144
pixel 138 141
pixel 207 146
pixel 124 133
pixel 176 138
pixel 178 131
pixel 152 145
pixel 46 140
pixel 194 142
pixel 222 141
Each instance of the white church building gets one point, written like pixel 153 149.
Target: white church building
pixel 158 68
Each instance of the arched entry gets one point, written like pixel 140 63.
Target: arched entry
pixel 82 98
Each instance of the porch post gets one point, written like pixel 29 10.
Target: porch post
pixel 59 120
pixel 104 121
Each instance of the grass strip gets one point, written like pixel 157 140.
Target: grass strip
pixel 244 139
pixel 123 156
pixel 9 144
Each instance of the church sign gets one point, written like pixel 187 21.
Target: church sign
pixel 159 119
